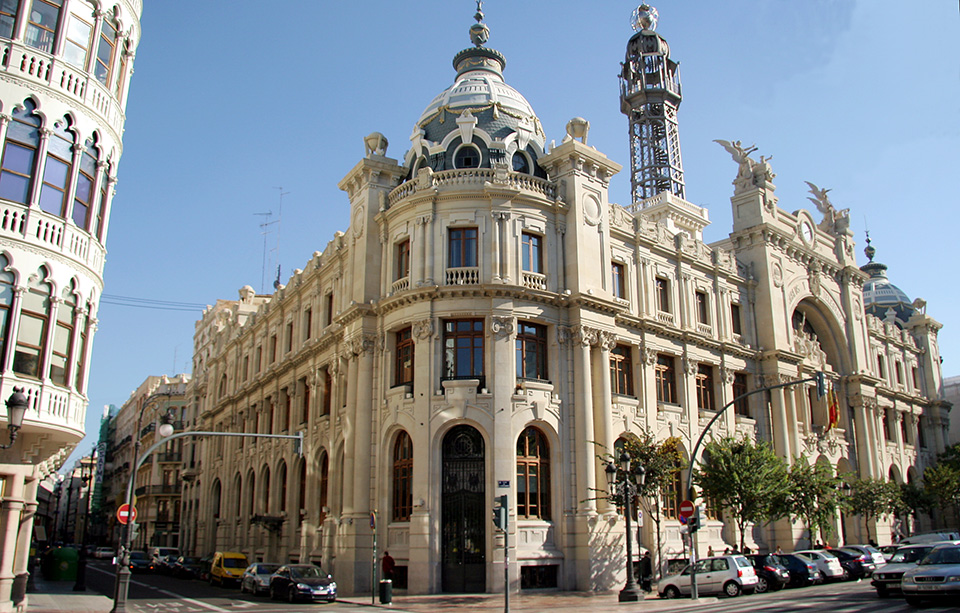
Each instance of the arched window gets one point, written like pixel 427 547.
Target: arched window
pixel 6 304
pixel 402 478
pixel 85 194
pixel 302 497
pixel 81 355
pixel 57 170
pixel 32 331
pixel 467 156
pixel 520 163
pixel 251 493
pixel 106 48
pixel 533 475
pixel 282 484
pixel 324 486
pixel 19 154
pixel 237 490
pixel 265 489
pixel 63 337
pixel 222 390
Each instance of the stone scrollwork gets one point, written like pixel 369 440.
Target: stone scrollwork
pixel 577 335
pixel 726 375
pixel 423 329
pixel 502 327
pixel 649 356
pixel 606 340
pixel 690 365
pixel 364 343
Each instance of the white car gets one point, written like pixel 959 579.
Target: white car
pixel 728 575
pixel 827 563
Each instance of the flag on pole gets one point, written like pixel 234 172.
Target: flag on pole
pixel 834 409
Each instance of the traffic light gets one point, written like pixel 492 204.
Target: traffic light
pixel 821 385
pixel 693 524
pixel 500 512
pixel 134 531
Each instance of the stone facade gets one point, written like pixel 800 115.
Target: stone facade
pixel 490 323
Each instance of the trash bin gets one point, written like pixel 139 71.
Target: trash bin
pixel 60 564
pixel 386 591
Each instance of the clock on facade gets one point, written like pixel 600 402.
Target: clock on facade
pixel 806 231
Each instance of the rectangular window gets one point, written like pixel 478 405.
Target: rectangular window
pixel 287 409
pixel 531 253
pixel 666 379
pixel 327 400
pixel 304 401
pixel 16 174
pixel 8 17
pixel 618 273
pixel 463 348
pixel 705 387
pixel 463 247
pixel 880 370
pixel 31 334
pixel 246 368
pixel 663 295
pixel 403 259
pixel 62 341
pixel 108 44
pixel 621 371
pixel 887 432
pixel 54 186
pixel 42 24
pixel 329 310
pixel 531 347
pixel 79 358
pixel 703 313
pixel 404 365
pixel 916 378
pixel 899 369
pixel 83 197
pixel 77 43
pixel 921 432
pixel 273 349
pixel 737 325
pixel 258 358
pixel 307 324
pixel 288 337
pixel 742 406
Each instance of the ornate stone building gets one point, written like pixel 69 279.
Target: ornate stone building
pixel 65 67
pixel 489 318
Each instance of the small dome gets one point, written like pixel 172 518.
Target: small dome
pixel 879 294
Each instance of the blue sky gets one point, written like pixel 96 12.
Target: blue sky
pixel 230 101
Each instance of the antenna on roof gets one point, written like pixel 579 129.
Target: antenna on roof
pixel 263 231
pixel 276 283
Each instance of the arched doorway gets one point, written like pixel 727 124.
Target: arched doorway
pixel 464 518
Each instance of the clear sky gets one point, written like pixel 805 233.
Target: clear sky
pixel 232 100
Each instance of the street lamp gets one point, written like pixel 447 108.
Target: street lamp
pixel 85 478
pixel 17 405
pixel 627 489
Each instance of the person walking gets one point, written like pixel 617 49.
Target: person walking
pixel 646 572
pixel 388 565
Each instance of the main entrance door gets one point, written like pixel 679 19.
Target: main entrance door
pixel 463 528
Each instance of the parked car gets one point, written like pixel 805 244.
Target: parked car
pixel 165 565
pixel 728 575
pixel 937 574
pixel 101 553
pixel 771 574
pixel 827 563
pixel 887 577
pixel 930 537
pixel 802 571
pixel 855 565
pixel 888 551
pixel 156 553
pixel 140 562
pixel 868 550
pixel 302 582
pixel 187 567
pixel 227 567
pixel 205 563
pixel 256 579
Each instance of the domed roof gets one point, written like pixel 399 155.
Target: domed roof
pixel 480 92
pixel 879 294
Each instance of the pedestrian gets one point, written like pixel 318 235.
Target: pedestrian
pixel 710 551
pixel 646 572
pixel 388 565
pixel 726 551
pixel 746 550
pixel 779 551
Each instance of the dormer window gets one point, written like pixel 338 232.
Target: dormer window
pixel 467 156
pixel 521 163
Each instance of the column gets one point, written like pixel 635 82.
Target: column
pixel 586 464
pixel 362 408
pixel 495 263
pixel 781 434
pixel 349 439
pixel 10 509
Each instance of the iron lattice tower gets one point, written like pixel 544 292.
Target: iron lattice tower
pixel 649 97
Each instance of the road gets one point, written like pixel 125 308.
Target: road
pixel 162 594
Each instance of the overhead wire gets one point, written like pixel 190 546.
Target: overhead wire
pixel 147 303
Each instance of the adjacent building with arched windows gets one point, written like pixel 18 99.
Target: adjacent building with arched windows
pixel 65 67
pixel 490 323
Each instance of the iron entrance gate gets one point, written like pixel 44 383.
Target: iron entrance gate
pixel 464 518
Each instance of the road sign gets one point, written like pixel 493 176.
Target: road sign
pixel 126 513
pixel 686 509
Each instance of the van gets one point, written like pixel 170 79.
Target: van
pixel 930 537
pixel 227 567
pixel 156 553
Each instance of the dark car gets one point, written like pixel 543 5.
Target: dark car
pixel 187 567
pixel 855 565
pixel 140 562
pixel 802 572
pixel 771 574
pixel 205 563
pixel 302 582
pixel 165 564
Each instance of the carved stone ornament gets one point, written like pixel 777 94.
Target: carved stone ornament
pixel 583 336
pixel 362 344
pixel 591 211
pixel 727 375
pixel 777 275
pixel 814 274
pixel 649 356
pixel 502 327
pixel 690 366
pixel 422 330
pixel 606 340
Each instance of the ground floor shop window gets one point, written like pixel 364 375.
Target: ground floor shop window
pixel 538 577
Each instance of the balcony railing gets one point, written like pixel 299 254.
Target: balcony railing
pixel 156 490
pixel 172 456
pixel 463 276
pixel 534 280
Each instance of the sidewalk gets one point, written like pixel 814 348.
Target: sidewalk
pixel 51 596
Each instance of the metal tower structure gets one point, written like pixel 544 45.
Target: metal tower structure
pixel 649 97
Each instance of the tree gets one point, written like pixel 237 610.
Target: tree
pixel 914 499
pixel 812 497
pixel 744 477
pixel 871 498
pixel 942 481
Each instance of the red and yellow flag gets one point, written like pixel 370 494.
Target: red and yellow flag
pixel 834 409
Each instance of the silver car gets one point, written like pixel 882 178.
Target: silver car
pixel 937 575
pixel 728 575
pixel 867 550
pixel 827 563
pixel 256 578
pixel 887 577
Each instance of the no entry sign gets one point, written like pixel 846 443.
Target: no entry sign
pixel 686 509
pixel 126 514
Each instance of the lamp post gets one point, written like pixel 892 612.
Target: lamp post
pixel 85 478
pixel 17 405
pixel 627 489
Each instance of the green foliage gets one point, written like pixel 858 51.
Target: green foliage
pixel 812 497
pixel 660 460
pixel 870 497
pixel 942 481
pixel 915 499
pixel 950 457
pixel 743 477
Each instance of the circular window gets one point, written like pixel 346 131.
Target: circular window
pixel 467 157
pixel 520 163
